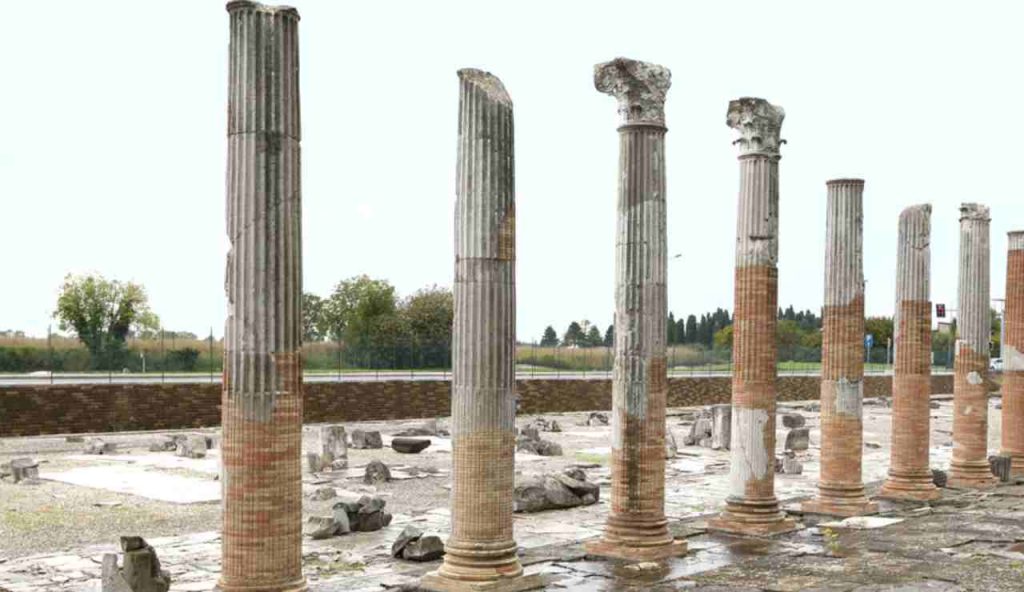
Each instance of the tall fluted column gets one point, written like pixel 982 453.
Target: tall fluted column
pixel 909 474
pixel 752 507
pixel 481 550
pixel 1013 355
pixel 636 528
pixel 841 485
pixel 262 392
pixel 970 467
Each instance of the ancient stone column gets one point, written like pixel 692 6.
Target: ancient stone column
pixel 752 507
pixel 969 467
pixel 909 474
pixel 636 528
pixel 262 391
pixel 841 485
pixel 481 550
pixel 1013 355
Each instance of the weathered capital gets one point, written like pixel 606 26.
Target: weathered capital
pixel 639 86
pixel 257 7
pixel 759 124
pixel 974 211
pixel 1015 240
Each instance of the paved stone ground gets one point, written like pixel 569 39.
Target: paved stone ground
pixel 53 534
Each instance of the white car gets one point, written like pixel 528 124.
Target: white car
pixel 996 365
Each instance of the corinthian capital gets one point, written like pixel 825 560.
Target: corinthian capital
pixel 640 88
pixel 759 124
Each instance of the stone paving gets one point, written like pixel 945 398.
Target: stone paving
pixel 965 541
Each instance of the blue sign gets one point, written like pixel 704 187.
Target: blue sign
pixel 869 341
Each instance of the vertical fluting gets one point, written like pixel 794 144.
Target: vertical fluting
pixel 909 474
pixel 970 467
pixel 752 506
pixel 481 547
pixel 841 486
pixel 262 392
pixel 636 525
pixel 1013 355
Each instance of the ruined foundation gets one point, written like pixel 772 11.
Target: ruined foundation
pixel 1013 356
pixel 636 527
pixel 752 507
pixel 970 467
pixel 262 390
pixel 910 477
pixel 481 553
pixel 841 486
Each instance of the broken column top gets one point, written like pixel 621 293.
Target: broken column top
pixel 257 7
pixel 844 181
pixel 639 86
pixel 974 211
pixel 486 82
pixel 1015 240
pixel 913 266
pixel 759 124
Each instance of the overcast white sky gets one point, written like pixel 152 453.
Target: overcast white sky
pixel 112 119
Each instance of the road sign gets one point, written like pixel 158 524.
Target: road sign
pixel 869 341
pixel 940 311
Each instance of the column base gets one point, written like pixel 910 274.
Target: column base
pixel 436 582
pixel 840 507
pixel 917 488
pixel 612 550
pixel 975 474
pixel 753 518
pixel 298 585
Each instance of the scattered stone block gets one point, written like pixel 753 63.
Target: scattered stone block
pixel 427 428
pixel 164 444
pixel 539 447
pixel 721 426
pixel 74 439
pixel 793 420
pixel 706 442
pixel 530 431
pixel 366 440
pixel 1000 466
pixel 554 491
pixel 409 445
pixel 671 450
pixel 597 418
pixel 699 430
pixel 791 466
pixel 320 527
pixel 872 445
pixel 409 533
pixel 798 439
pixel 545 425
pixel 99 446
pixel 324 493
pixel 365 515
pixel 192 446
pixel 141 571
pixel 934 405
pixel 376 472
pixel 314 462
pixel 939 477
pixel 425 548
pixel 24 469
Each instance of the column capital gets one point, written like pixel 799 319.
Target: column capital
pixel 639 86
pixel 237 5
pixel 974 211
pixel 488 83
pixel 1015 240
pixel 759 124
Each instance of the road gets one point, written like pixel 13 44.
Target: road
pixel 45 378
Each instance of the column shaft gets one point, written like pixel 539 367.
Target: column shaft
pixel 841 486
pixel 1013 355
pixel 262 391
pixel 909 474
pixel 752 507
pixel 969 467
pixel 481 549
pixel 636 526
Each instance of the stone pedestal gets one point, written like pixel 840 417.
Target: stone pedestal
pixel 1013 356
pixel 752 507
pixel 262 387
pixel 970 467
pixel 841 486
pixel 910 477
pixel 636 528
pixel 481 551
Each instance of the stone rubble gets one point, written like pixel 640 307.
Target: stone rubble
pixel 551 491
pixel 366 440
pixel 376 472
pixel 141 571
pixel 405 445
pixel 99 446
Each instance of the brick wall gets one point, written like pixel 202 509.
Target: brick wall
pixel 68 409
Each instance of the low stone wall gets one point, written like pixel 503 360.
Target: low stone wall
pixel 68 409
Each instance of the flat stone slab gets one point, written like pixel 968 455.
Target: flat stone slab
pixel 862 522
pixel 161 460
pixel 156 485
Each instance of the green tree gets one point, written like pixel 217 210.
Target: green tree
pixel 995 332
pixel 594 338
pixel 723 338
pixel 103 313
pixel 880 328
pixel 609 336
pixel 691 329
pixel 429 314
pixel 357 306
pixel 671 338
pixel 550 338
pixel 313 324
pixel 573 335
